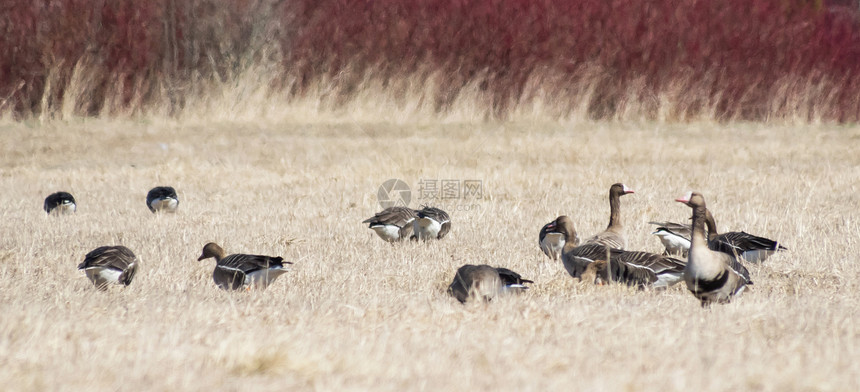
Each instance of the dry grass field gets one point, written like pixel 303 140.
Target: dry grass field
pixel 359 314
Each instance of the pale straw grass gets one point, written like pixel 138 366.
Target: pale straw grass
pixel 359 314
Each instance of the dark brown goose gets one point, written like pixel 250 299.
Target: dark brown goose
pixel 484 282
pixel 630 267
pixel 60 203
pixel 431 223
pixel 613 236
pixel 751 248
pixel 243 271
pixel 393 223
pixel 710 275
pixel 110 265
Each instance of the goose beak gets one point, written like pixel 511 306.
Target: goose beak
pixel 627 190
pixel 200 258
pixel 686 198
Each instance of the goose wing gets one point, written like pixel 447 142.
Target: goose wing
pixel 631 274
pixel 115 257
pixel 510 277
pixel 679 229
pixel 396 216
pixel 434 213
pixel 744 241
pixel 657 263
pixel 607 238
pixel 250 263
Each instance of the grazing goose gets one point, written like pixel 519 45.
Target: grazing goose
pixel 551 243
pixel 432 223
pixel 751 248
pixel 674 236
pixel 613 236
pixel 60 203
pixel 393 223
pixel 710 275
pixel 485 282
pixel 630 267
pixel 109 264
pixel 162 199
pixel 240 270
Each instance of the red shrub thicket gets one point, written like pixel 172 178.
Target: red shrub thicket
pixel 678 59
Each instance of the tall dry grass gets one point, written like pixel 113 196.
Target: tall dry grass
pixel 667 60
pixel 360 314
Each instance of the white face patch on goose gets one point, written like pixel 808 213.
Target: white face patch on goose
pixel 625 189
pixel 686 198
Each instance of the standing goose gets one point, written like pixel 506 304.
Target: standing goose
pixel 109 264
pixel 551 243
pixel 641 269
pixel 751 248
pixel 485 283
pixel 162 199
pixel 432 223
pixel 60 203
pixel 393 223
pixel 240 270
pixel 613 236
pixel 674 236
pixel 710 275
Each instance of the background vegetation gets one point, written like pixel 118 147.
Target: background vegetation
pixel 795 60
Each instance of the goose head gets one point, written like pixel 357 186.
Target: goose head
pixel 564 226
pixel 620 189
pixel 211 250
pixel 692 199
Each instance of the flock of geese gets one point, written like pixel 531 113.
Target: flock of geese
pixel 710 263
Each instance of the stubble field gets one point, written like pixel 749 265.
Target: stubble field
pixel 357 314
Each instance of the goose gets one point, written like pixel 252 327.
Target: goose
pixel 162 199
pixel 109 264
pixel 642 269
pixel 431 223
pixel 60 203
pixel 711 276
pixel 551 243
pixel 751 248
pixel 485 282
pixel 393 223
pixel 243 271
pixel 674 236
pixel 613 236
